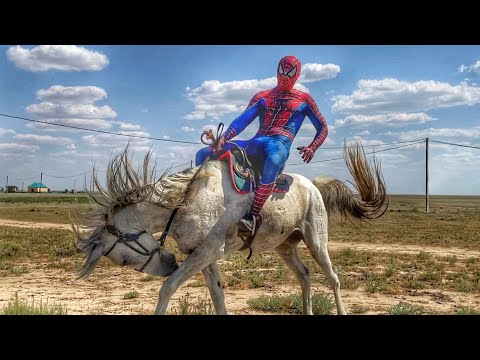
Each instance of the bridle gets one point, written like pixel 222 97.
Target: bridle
pixel 127 239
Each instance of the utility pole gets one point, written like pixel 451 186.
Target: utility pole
pixel 6 187
pixel 191 164
pixel 41 177
pixel 427 205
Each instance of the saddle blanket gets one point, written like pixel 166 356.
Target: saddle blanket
pixel 243 183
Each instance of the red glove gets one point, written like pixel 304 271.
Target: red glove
pixel 307 153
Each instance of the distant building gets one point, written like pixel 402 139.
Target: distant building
pixel 37 187
pixel 12 188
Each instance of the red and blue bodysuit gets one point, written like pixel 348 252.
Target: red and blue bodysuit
pixel 281 112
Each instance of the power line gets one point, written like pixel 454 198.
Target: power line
pixel 385 144
pixel 448 143
pixel 370 153
pixel 99 131
pixel 158 139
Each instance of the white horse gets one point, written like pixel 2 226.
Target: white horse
pixel 133 207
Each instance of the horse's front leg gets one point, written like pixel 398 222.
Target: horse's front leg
pixel 213 279
pixel 201 257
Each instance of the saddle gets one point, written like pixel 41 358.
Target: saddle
pixel 245 176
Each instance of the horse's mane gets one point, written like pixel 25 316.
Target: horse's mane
pixel 126 185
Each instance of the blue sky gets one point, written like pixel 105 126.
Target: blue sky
pixel 376 94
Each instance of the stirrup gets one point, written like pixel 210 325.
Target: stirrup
pixel 247 224
pixel 281 179
pixel 247 230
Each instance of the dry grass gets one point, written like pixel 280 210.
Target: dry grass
pixel 452 222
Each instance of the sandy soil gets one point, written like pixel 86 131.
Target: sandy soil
pixel 103 292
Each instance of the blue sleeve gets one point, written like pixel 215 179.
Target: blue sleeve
pixel 318 122
pixel 245 119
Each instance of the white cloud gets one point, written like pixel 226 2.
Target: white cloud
pixel 384 120
pixel 473 133
pixel 463 158
pixel 85 111
pixel 215 99
pixel 176 155
pixel 317 72
pixel 145 110
pixel 6 131
pixel 395 96
pixel 18 148
pixel 59 94
pixel 366 142
pixel 17 155
pixel 134 133
pixel 72 106
pixel 471 68
pixel 109 140
pixel 94 124
pixel 310 129
pixel 57 57
pixel 128 126
pixel 187 129
pixel 41 139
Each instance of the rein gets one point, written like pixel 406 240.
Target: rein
pixel 127 238
pixel 167 228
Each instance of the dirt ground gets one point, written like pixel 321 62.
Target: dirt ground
pixel 103 291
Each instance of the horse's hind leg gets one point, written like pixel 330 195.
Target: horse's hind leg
pixel 316 239
pixel 288 252
pixel 213 279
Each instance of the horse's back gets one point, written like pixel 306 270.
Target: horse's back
pixel 214 203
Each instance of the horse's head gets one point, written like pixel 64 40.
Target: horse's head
pixel 129 209
pixel 126 239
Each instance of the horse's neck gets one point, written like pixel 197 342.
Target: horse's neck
pixel 158 220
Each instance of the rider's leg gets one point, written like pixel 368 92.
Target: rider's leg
pixel 276 154
pixel 206 152
pixel 202 155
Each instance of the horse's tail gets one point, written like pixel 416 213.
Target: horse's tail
pixel 371 201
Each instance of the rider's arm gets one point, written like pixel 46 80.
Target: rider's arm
pixel 245 119
pixel 318 122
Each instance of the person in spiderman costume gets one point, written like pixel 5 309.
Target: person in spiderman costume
pixel 281 112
